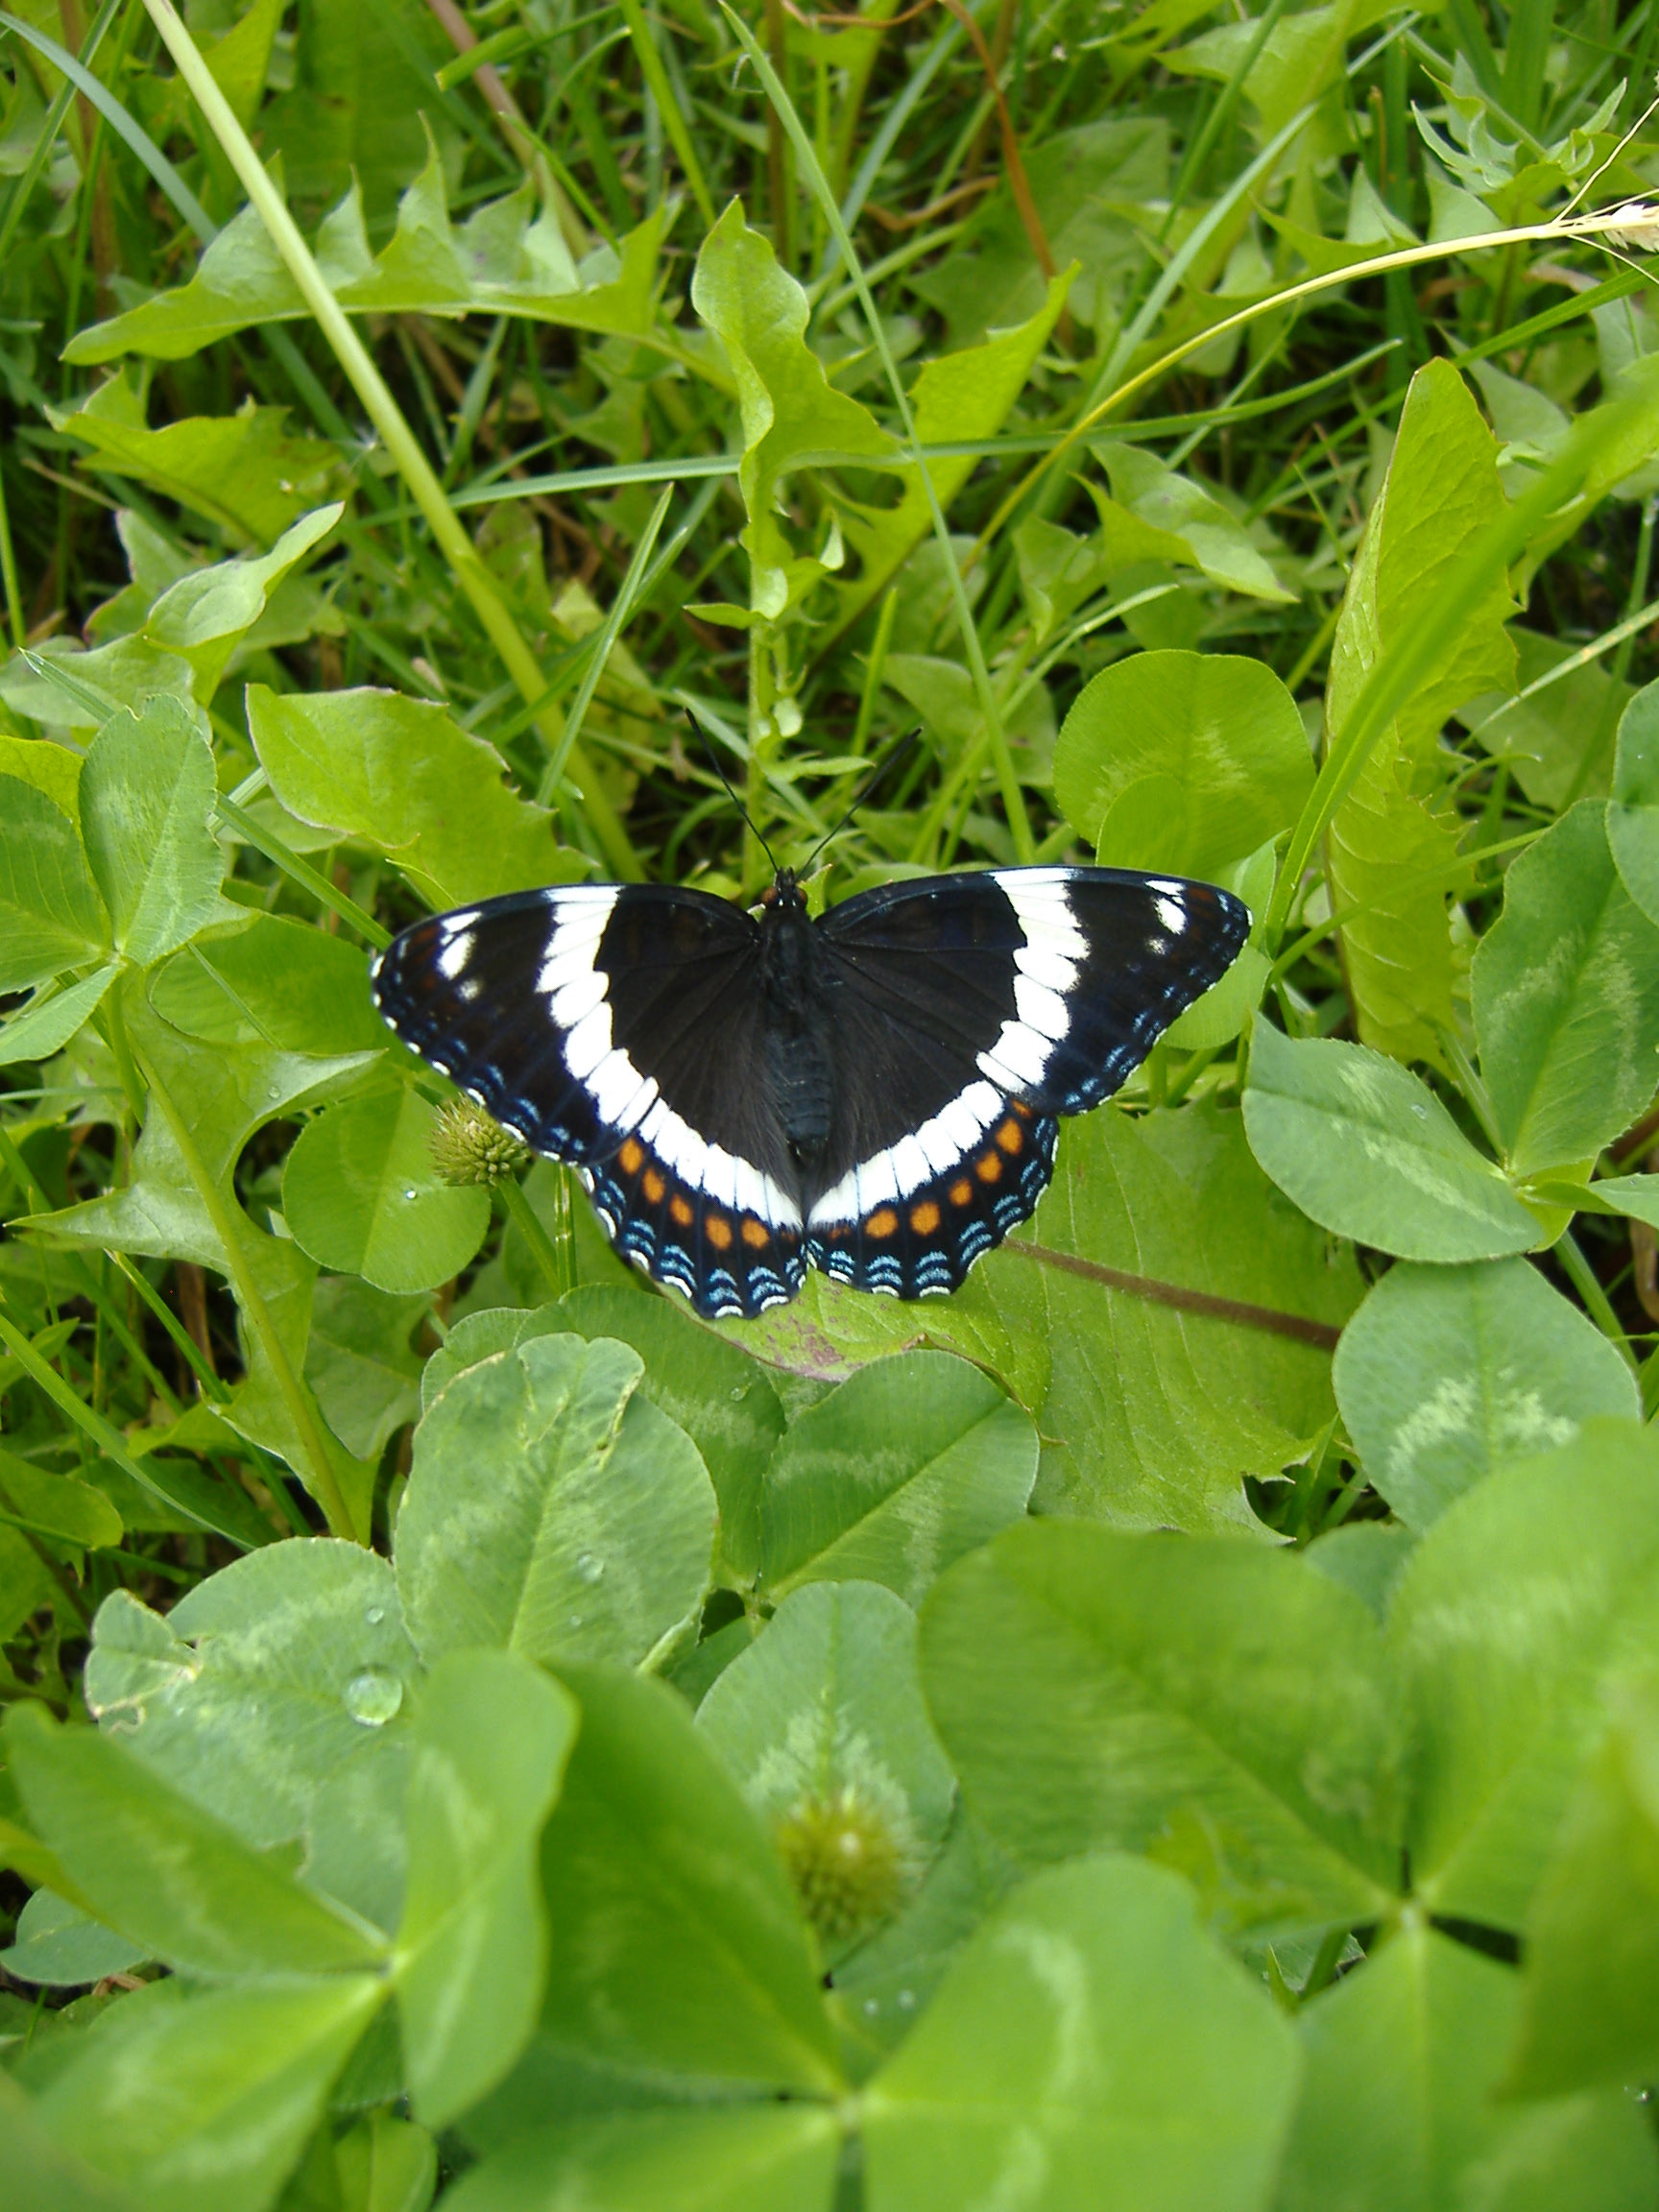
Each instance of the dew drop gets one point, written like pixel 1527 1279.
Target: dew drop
pixel 871 2006
pixel 374 1616
pixel 739 1393
pixel 575 1619
pixel 1419 1109
pixel 590 1567
pixel 373 1696
pixel 410 1194
pixel 906 2000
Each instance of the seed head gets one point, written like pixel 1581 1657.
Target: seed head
pixel 846 1862
pixel 471 1146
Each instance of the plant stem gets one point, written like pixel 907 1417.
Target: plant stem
pixel 553 1260
pixel 383 410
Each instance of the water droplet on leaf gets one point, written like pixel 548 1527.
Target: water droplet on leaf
pixel 590 1567
pixel 373 1696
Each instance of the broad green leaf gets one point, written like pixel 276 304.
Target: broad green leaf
pixel 1152 1413
pixel 1566 1000
pixel 1590 1996
pixel 508 259
pixel 158 1868
pixel 240 57
pixel 127 673
pixel 1447 1373
pixel 44 2175
pixel 57 1506
pixel 204 615
pixel 1208 1702
pixel 1365 1557
pixel 905 1467
pixel 1633 810
pixel 1182 762
pixel 1085 183
pixel 1398 2111
pixel 46 1025
pixel 552 1509
pixel 885 1981
pixel 360 108
pixel 1154 514
pixel 264 1680
pixel 51 768
pixel 718 1395
pixel 492 1736
pixel 725 2160
pixel 277 982
pixel 362 1194
pixel 57 1946
pixel 356 1825
pixel 146 799
pixel 1557 744
pixel 385 2164
pixel 51 916
pixel 247 472
pixel 827 1700
pixel 359 1361
pixel 398 775
pixel 203 2103
pixel 1093 2050
pixel 1524 1601
pixel 1367 1149
pixel 958 397
pixel 677 1947
pixel 793 417
pixel 1441 492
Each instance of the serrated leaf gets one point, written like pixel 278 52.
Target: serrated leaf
pixel 509 260
pixel 1441 492
pixel 398 775
pixel 1155 513
pixel 247 472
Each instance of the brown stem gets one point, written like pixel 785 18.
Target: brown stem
pixel 193 1305
pixel 1017 182
pixel 1297 1326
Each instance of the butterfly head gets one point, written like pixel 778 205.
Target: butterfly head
pixel 783 895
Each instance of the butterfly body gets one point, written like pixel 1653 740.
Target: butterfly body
pixel 875 1091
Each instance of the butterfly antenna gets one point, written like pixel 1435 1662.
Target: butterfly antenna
pixel 702 737
pixel 900 750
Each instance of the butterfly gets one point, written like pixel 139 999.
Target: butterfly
pixel 875 1091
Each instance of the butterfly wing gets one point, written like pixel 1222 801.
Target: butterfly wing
pixel 971 1011
pixel 618 1027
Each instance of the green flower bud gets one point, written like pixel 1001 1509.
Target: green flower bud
pixel 470 1147
pixel 846 1863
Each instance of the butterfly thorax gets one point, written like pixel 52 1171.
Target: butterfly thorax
pixel 797 1016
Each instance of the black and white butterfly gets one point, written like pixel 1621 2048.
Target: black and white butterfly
pixel 874 1093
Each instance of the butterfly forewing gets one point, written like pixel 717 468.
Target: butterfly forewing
pixel 617 1028
pixel 662 1042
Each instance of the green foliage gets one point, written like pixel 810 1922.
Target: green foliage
pixel 1171 1725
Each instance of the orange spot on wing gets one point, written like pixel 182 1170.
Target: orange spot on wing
pixel 882 1222
pixel 989 1170
pixel 756 1235
pixel 924 1219
pixel 680 1210
pixel 653 1186
pixel 1009 1137
pixel 1016 1106
pixel 631 1157
pixel 961 1193
pixel 718 1230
